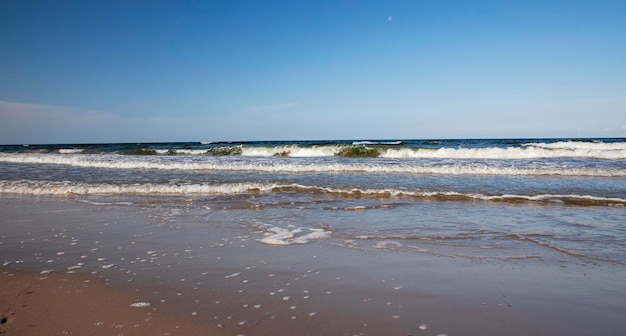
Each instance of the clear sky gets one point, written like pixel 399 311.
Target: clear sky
pixel 139 71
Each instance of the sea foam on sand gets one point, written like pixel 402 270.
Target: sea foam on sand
pixel 280 236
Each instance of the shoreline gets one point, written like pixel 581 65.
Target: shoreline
pixel 450 299
pixel 216 277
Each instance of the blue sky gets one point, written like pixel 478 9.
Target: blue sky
pixel 139 71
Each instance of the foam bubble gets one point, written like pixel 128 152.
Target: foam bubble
pixel 387 143
pixel 140 304
pixel 278 236
pixel 167 163
pixel 575 145
pixel 388 244
pixel 282 236
pixel 70 150
pixel 532 151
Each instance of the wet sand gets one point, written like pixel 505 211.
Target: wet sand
pixel 72 304
pixel 205 277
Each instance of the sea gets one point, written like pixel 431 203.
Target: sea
pixel 480 199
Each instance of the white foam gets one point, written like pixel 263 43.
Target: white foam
pixel 383 245
pixel 281 236
pixel 140 304
pixel 530 152
pixel 211 163
pixel 70 150
pixel 278 236
pixel 106 203
pixel 358 143
pixel 559 198
pixel 62 188
pixel 573 145
pixel 585 149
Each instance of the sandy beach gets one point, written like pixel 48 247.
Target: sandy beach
pixel 72 267
pixel 72 304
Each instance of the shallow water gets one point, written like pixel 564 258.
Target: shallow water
pixel 382 269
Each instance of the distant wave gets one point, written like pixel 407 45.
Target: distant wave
pixel 112 161
pixel 386 143
pixel 529 152
pixel 382 149
pixel 64 188
pixel 70 150
pixel 573 145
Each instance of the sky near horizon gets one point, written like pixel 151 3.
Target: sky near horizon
pixel 158 71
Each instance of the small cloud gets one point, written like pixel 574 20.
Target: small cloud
pixel 36 123
pixel 389 18
pixel 28 113
pixel 271 108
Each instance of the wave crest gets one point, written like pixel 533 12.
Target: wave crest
pixel 64 188
pixel 113 161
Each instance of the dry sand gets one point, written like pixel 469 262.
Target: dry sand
pixel 73 304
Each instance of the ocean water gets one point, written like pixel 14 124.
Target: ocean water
pixel 507 199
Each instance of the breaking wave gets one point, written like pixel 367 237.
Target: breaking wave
pixel 530 151
pixel 113 161
pixel 28 187
pixel 67 188
pixel 384 149
pixel 570 149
